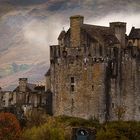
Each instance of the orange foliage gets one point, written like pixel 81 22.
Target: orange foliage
pixel 9 127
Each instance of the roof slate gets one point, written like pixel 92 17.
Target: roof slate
pixel 134 33
pixel 62 34
pixel 102 34
pixel 32 88
pixel 48 73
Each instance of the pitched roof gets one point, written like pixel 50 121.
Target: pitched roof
pixel 40 88
pixel 48 73
pixel 134 33
pixel 62 34
pixel 32 88
pixel 102 34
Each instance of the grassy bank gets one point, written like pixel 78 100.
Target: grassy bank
pixel 59 128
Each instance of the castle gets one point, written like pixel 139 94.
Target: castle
pixel 26 97
pixel 95 70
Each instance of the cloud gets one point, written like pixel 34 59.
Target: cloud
pixel 35 33
pixel 40 34
pixel 59 5
pixel 27 31
pixel 130 19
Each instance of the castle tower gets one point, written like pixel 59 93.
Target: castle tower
pixel 119 30
pixel 75 30
pixel 87 82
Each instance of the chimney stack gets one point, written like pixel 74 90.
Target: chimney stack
pixel 22 84
pixel 75 30
pixel 119 29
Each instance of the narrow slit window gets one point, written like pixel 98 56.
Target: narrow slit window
pixel 113 105
pixel 72 84
pixel 139 108
pixel 100 51
pixel 72 88
pixel 92 87
pixel 72 80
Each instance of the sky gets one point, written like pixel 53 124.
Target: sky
pixel 29 27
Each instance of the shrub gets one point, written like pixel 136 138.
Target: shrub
pixel 36 118
pixel 9 127
pixel 74 121
pixel 120 130
pixel 120 112
pixel 60 128
pixel 52 130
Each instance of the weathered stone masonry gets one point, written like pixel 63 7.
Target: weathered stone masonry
pixel 94 70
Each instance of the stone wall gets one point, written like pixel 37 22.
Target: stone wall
pixel 88 84
pixel 87 100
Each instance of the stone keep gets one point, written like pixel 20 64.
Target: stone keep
pixel 95 71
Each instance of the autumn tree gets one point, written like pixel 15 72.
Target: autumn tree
pixel 9 127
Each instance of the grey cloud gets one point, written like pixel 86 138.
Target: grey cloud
pixel 27 31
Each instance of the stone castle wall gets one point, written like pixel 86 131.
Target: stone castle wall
pixel 89 84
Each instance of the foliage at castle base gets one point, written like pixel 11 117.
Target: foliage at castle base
pixel 119 130
pixel 60 128
pixel 9 127
pixel 51 130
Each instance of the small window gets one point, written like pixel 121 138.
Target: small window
pixel 59 52
pixel 113 105
pixel 72 79
pixel 92 87
pixel 3 102
pixel 139 108
pixel 28 98
pixel 72 88
pixel 100 51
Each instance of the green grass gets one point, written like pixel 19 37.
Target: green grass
pixel 59 128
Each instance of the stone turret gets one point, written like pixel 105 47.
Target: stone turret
pixel 75 29
pixel 119 30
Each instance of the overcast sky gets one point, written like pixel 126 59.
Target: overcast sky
pixel 39 22
pixel 28 27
